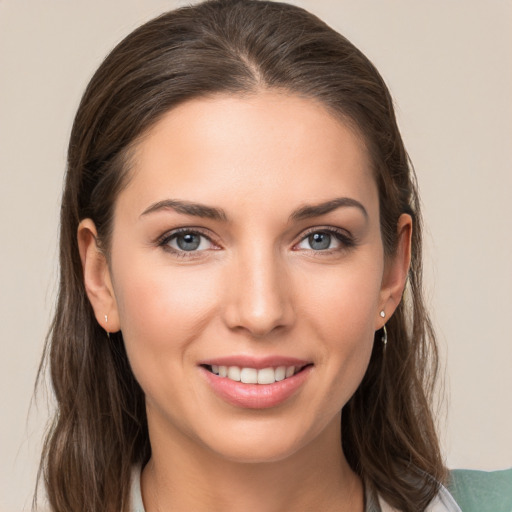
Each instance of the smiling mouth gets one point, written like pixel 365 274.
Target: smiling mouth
pixel 248 375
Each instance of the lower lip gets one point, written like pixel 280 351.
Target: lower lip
pixel 256 396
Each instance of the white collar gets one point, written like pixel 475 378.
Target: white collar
pixel 135 493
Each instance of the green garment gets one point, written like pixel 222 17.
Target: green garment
pixel 482 491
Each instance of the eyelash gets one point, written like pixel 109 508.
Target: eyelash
pixel 164 241
pixel 346 240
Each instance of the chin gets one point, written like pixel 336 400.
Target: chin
pixel 261 443
pixel 258 452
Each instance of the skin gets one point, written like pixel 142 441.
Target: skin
pixel 255 286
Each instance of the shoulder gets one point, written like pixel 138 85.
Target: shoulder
pixel 481 491
pixel 469 491
pixel 443 502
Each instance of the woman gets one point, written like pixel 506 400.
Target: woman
pixel 239 223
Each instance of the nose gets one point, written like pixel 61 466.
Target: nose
pixel 259 295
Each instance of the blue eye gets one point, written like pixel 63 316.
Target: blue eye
pixel 319 241
pixel 187 241
pixel 325 240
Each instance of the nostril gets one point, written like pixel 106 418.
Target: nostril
pixel 258 301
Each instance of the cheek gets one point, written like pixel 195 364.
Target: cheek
pixel 341 310
pixel 344 301
pixel 161 310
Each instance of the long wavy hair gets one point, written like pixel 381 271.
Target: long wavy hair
pixel 99 430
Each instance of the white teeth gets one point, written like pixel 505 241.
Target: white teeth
pixel 252 375
pixel 249 376
pixel 266 376
pixel 280 373
pixel 234 373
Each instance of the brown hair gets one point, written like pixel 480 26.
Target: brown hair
pixel 236 47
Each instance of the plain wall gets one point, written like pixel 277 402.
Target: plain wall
pixel 448 65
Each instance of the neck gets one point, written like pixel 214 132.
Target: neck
pixel 184 476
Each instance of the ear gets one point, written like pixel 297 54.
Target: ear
pixel 98 283
pixel 396 270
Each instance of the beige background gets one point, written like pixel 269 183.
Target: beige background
pixel 448 65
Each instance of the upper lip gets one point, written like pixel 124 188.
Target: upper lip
pixel 245 361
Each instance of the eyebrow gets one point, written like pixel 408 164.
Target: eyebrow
pixel 210 212
pixel 308 211
pixel 187 208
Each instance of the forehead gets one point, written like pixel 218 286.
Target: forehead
pixel 261 149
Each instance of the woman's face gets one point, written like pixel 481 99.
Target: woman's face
pixel 247 242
